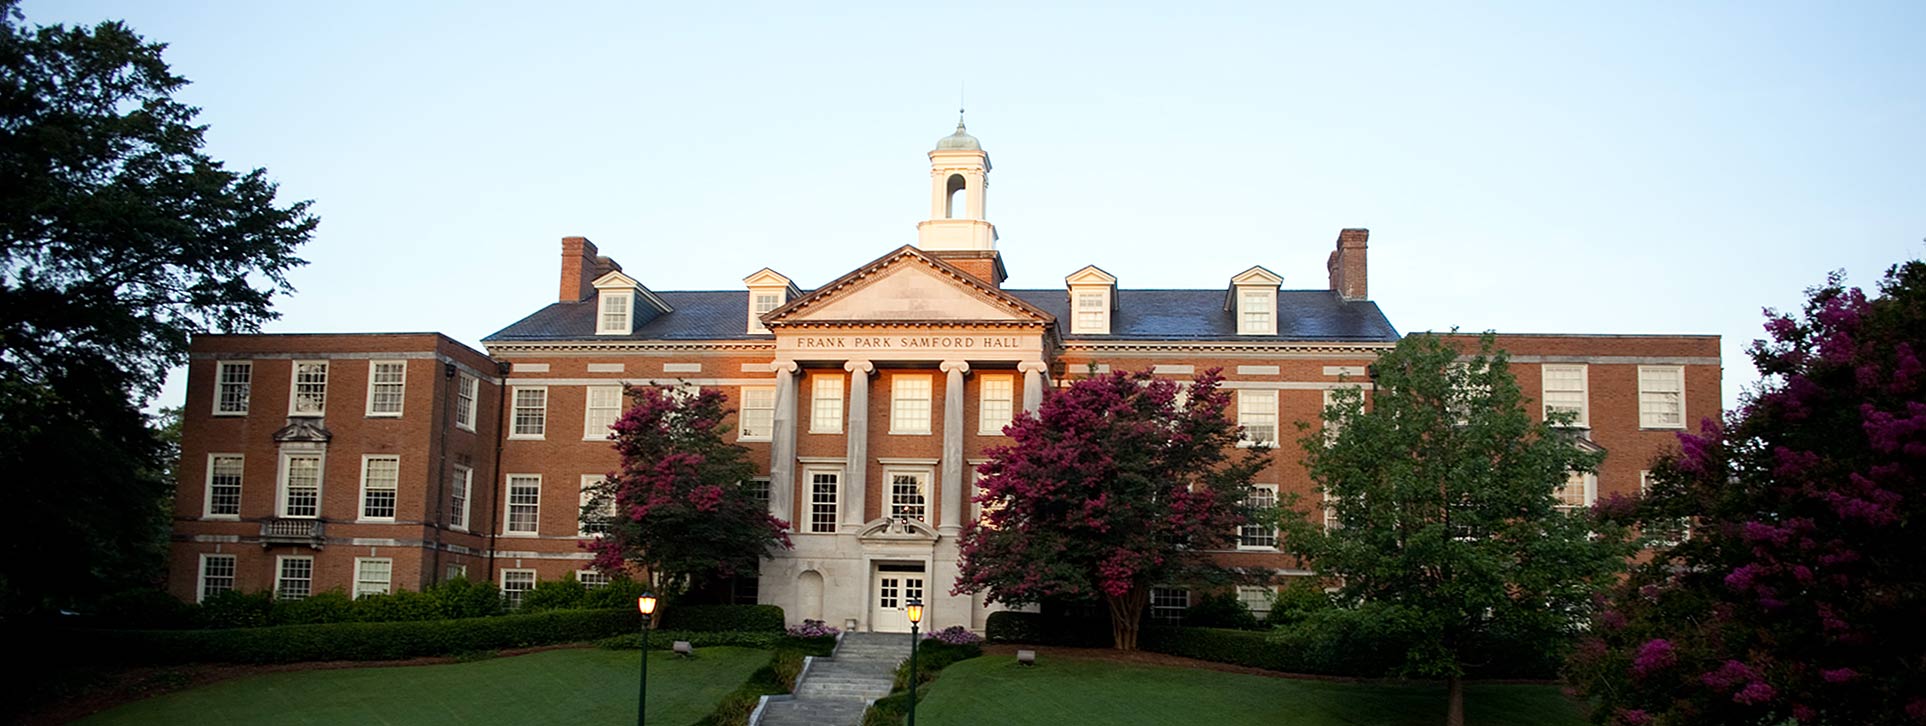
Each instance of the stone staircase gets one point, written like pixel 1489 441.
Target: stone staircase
pixel 835 690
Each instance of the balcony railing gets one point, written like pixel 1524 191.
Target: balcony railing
pixel 310 532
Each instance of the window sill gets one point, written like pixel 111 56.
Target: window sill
pixel 375 520
pixel 527 437
pixel 834 432
pixel 457 528
pixel 384 415
pixel 230 414
pixel 754 439
pixel 998 432
pixel 300 414
pixel 1680 427
pixel 522 535
pixel 1255 444
pixel 220 517
pixel 469 429
pixel 908 433
pixel 1263 548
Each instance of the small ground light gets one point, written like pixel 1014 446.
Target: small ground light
pixel 684 649
pixel 1026 657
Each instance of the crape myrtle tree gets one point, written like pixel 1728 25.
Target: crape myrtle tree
pixel 1441 490
pixel 1118 483
pixel 1798 594
pixel 119 239
pixel 680 508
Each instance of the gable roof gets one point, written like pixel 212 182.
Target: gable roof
pixel 1199 315
pixel 993 304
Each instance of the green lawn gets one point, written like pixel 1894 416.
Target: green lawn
pixel 1058 691
pixel 580 687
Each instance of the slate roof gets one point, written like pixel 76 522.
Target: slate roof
pixel 1316 315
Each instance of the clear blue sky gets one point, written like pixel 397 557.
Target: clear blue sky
pixel 1539 167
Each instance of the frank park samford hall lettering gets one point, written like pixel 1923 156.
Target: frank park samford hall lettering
pixel 909 342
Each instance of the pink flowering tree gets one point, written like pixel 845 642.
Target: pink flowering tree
pixel 1120 482
pixel 1796 595
pixel 679 506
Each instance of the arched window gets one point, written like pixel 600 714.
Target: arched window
pixel 958 197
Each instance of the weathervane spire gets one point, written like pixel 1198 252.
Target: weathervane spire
pixel 959 105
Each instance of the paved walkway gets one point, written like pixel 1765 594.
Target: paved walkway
pixel 835 689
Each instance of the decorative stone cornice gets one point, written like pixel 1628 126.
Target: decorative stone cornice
pixel 900 530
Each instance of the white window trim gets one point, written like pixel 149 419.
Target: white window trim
pixel 1270 297
pixel 1270 594
pixel 361 512
pixel 755 319
pixel 589 480
pixel 1641 402
pixel 816 383
pixel 1584 419
pixel 984 427
pixel 508 504
pixel 200 575
pixel 467 489
pixel 280 568
pixel 294 385
pixel 601 309
pixel 472 385
pixel 501 582
pixel 929 413
pixel 320 484
pixel 742 412
pixel 925 477
pixel 591 431
pixel 513 406
pixel 1076 318
pixel 1591 493
pixel 207 490
pixel 809 514
pixel 1272 488
pixel 355 593
pixel 371 412
pixel 604 583
pixel 220 378
pixel 1276 414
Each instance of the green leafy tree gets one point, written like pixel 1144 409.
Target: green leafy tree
pixel 1797 596
pixel 1119 483
pixel 1441 491
pixel 119 240
pixel 681 510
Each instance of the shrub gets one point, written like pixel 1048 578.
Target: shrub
pixel 620 592
pixel 932 656
pixel 333 606
pixel 709 618
pixel 562 594
pixel 813 629
pixel 464 598
pixel 397 606
pixel 146 608
pixel 236 609
pixel 1297 601
pixel 954 635
pixel 1220 610
pixel 348 641
pixel 1041 629
pixel 1342 642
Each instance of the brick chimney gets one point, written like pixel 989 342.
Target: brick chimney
pixel 984 265
pixel 580 266
pixel 1347 265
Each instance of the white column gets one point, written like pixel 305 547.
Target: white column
pixel 856 468
pixel 782 444
pixel 952 499
pixel 1033 372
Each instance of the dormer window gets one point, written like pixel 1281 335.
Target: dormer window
pixel 768 290
pixel 1093 294
pixel 617 315
pixel 1252 299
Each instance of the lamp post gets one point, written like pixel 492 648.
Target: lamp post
pixel 915 611
pixel 646 604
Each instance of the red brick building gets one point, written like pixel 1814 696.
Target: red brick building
pixel 869 399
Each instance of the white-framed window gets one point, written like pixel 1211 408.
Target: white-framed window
pixel 224 486
pixel 1256 312
pixel 909 404
pixel 1661 397
pixel 308 393
pixel 467 391
pixel 1259 535
pixel 1092 313
pixel 826 404
pixel 524 506
pixel 615 316
pixel 1331 520
pixel 461 482
pixel 758 491
pixel 1167 604
pixel 293 577
pixel 909 494
pixel 592 579
pixel 456 571
pixel 996 402
pixel 757 418
pixel 301 485
pixel 373 576
pixel 233 383
pixel 1577 493
pixel 387 386
pixel 761 302
pixel 825 487
pixel 1255 598
pixel 599 522
pixel 603 407
pixel 217 576
pixel 1257 415
pixel 380 482
pixel 1565 390
pixel 1332 429
pixel 1664 534
pixel 531 413
pixel 514 584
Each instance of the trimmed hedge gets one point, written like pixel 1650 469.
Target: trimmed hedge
pixel 1008 626
pixel 777 678
pixel 340 641
pixel 662 639
pixel 716 618
pixel 932 656
pixel 1339 646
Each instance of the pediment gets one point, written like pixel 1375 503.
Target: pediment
pixel 907 285
pixel 1257 275
pixel 897 530
pixel 303 431
pixel 1090 275
pixel 766 277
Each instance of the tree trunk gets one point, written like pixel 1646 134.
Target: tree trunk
pixel 1126 611
pixel 1455 701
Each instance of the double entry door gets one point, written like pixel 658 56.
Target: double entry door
pixel 890 590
